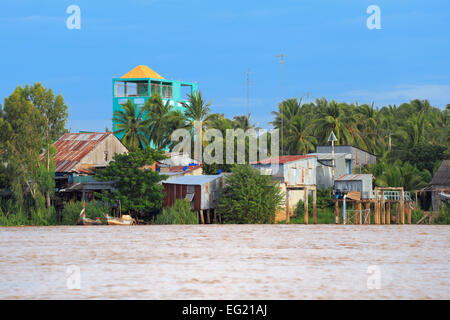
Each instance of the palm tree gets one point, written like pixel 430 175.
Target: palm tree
pixel 287 110
pixel 299 138
pixel 195 109
pixel 243 122
pixel 157 112
pixel 339 119
pixel 133 126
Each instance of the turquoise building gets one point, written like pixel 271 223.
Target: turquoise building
pixel 138 84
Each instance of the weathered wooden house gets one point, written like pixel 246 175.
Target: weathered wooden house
pixel 354 157
pixel 296 176
pixel 440 186
pixel 361 183
pixel 77 157
pixel 201 190
pixel 324 168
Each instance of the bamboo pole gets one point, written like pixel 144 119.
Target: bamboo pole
pixel 368 209
pixel 376 212
pixel 388 217
pixel 359 215
pixel 409 213
pixel 306 205
pixel 288 216
pixel 402 206
pixel 202 218
pixel 314 206
pixel 208 216
pixel 397 213
pixel 336 211
pixel 383 208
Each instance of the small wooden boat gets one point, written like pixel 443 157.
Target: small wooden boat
pixel 88 222
pixel 124 221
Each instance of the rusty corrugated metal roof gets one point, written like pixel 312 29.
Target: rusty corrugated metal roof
pixel 192 180
pixel 348 177
pixel 71 148
pixel 283 159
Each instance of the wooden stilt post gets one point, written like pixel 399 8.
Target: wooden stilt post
pixel 388 215
pixel 215 216
pixel 402 206
pixel 368 209
pixel 202 218
pixel 397 213
pixel 383 208
pixel 359 215
pixel 408 206
pixel 375 207
pixel 417 201
pixel 288 214
pixel 306 205
pixel 336 211
pixel 377 211
pixel 314 205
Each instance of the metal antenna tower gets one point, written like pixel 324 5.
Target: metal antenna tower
pixel 281 56
pixel 247 73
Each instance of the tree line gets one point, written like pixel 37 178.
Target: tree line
pixel 410 140
pixel 31 119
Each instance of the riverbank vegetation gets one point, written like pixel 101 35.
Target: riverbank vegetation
pixel 249 197
pixel 409 140
pixel 30 121
pixel 179 213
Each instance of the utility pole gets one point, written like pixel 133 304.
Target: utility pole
pixel 332 138
pixel 247 73
pixel 281 57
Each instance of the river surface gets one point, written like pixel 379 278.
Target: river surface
pixel 225 262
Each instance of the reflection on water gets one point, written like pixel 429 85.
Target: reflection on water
pixel 225 262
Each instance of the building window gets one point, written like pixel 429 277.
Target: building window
pixel 167 91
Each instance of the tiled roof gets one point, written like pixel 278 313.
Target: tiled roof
pixel 71 148
pixel 142 72
pixel 283 159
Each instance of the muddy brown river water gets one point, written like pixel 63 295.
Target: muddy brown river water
pixel 225 262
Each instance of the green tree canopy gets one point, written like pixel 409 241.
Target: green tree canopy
pixel 249 197
pixel 137 188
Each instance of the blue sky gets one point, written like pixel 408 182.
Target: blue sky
pixel 329 51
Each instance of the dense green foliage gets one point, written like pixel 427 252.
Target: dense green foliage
pixel 410 140
pixel 132 125
pixel 249 197
pixel 71 212
pixel 179 213
pixel 136 188
pixel 31 120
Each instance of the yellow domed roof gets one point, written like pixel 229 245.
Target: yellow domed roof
pixel 142 72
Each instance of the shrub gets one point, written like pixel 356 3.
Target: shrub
pixel 444 214
pixel 249 197
pixel 179 213
pixel 71 212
